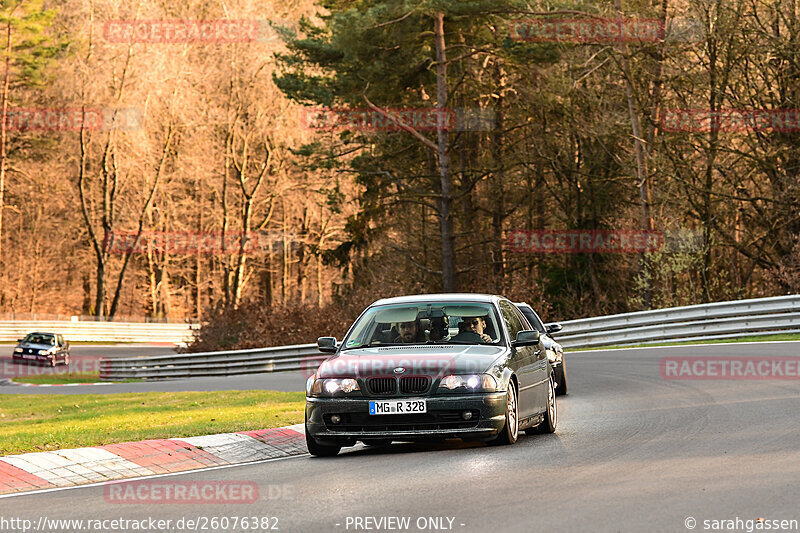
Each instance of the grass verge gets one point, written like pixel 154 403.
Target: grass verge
pixel 59 379
pixel 754 338
pixel 43 422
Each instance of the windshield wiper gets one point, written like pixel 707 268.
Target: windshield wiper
pixel 374 345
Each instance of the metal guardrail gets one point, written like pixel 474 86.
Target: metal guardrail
pixel 228 363
pixel 761 316
pixel 100 331
pixel 706 321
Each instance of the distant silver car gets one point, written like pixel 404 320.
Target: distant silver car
pixel 555 353
pixel 43 349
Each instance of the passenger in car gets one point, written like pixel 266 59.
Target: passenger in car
pixel 439 329
pixel 409 332
pixel 471 329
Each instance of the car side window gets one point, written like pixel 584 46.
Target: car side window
pixel 537 322
pixel 512 320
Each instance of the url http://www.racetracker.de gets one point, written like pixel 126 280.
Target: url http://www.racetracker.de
pixel 149 524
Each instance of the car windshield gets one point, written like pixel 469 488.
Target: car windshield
pixel 38 338
pixel 425 322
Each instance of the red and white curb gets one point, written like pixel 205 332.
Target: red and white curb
pixel 80 466
pixel 56 384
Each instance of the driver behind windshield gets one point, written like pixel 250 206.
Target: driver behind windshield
pixel 471 329
pixel 409 332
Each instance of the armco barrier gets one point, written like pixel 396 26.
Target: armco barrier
pixel 281 358
pixel 708 321
pixel 99 331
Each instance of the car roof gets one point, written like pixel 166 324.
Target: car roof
pixel 446 297
pixel 42 333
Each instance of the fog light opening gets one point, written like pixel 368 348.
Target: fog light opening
pixel 466 415
pixel 335 419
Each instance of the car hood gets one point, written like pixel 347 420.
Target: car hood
pixel 35 346
pixel 435 361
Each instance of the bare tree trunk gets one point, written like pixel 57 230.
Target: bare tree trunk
pixel 226 280
pixel 284 258
pixel 159 171
pixel 498 183
pixel 642 172
pixel 4 133
pixel 443 152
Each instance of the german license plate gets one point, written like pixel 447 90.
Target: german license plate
pixel 29 357
pixel 397 407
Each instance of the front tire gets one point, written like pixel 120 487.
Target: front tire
pixel 320 450
pixel 550 421
pixel 510 431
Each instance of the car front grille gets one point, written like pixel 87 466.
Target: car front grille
pixel 382 386
pixel 431 421
pixel 415 385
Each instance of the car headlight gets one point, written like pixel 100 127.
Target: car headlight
pixel 44 352
pixel 469 382
pixel 17 350
pixel 329 387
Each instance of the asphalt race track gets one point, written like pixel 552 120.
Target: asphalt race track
pixel 106 350
pixel 633 452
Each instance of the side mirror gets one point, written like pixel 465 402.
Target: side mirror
pixel 20 340
pixel 553 328
pixel 327 344
pixel 526 338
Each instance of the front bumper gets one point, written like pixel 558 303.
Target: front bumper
pixel 442 420
pixel 33 359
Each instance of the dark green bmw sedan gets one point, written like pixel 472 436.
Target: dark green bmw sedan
pixel 431 367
